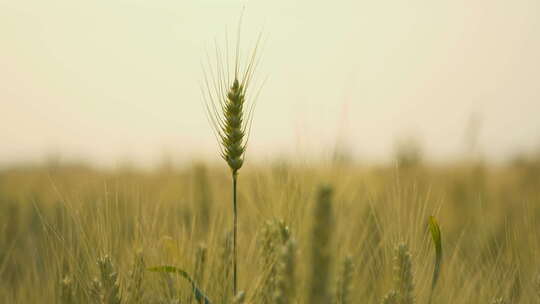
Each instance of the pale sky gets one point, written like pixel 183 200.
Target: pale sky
pixel 109 80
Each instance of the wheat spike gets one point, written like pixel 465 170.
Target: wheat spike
pixel 135 283
pixel 285 287
pixel 95 289
pixel 403 276
pixel 67 292
pixel 200 262
pixel 110 291
pixel 240 298
pixel 226 99
pixel 222 276
pixel 275 233
pixel 537 286
pixel 345 281
pixel 321 247
pixel 498 301
pixel 203 195
pixel 230 104
pixel 391 298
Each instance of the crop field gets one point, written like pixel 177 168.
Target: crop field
pixel 334 233
pixel 322 213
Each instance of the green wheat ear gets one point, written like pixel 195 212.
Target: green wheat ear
pixel 437 243
pixel 229 103
pixel 226 95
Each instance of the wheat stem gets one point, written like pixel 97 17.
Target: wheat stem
pixel 235 235
pixel 230 114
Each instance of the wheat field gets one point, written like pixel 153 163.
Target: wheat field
pixel 325 233
pixel 307 204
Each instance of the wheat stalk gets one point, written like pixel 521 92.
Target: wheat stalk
pixel 229 106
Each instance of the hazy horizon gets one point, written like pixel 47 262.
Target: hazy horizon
pixel 106 81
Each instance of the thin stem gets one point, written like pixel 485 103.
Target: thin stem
pixel 235 233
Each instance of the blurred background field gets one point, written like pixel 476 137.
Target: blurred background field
pixel 57 220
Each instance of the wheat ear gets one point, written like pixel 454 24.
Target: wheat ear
pixel 403 276
pixel 321 258
pixel 498 301
pixel 110 290
pixel 537 286
pixel 285 287
pixel 226 96
pixel 345 282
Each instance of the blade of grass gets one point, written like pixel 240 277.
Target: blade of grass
pixel 437 243
pixel 200 296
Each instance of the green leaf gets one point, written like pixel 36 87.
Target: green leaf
pixel 437 242
pixel 199 294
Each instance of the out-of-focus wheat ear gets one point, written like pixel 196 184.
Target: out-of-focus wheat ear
pixel 500 300
pixel 321 259
pixel 95 289
pixel 514 295
pixel 391 298
pixel 67 291
pixel 200 267
pixel 345 282
pixel 286 283
pixel 222 275
pixel 203 196
pixel 135 290
pixel 240 298
pixel 537 286
pixel 403 275
pixel 109 281
pixel 273 236
pixel 200 262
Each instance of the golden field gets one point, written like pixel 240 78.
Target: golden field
pixel 57 222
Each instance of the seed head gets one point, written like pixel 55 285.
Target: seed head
pixel 229 103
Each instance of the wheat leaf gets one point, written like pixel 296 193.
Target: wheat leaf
pixel 437 243
pixel 199 294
